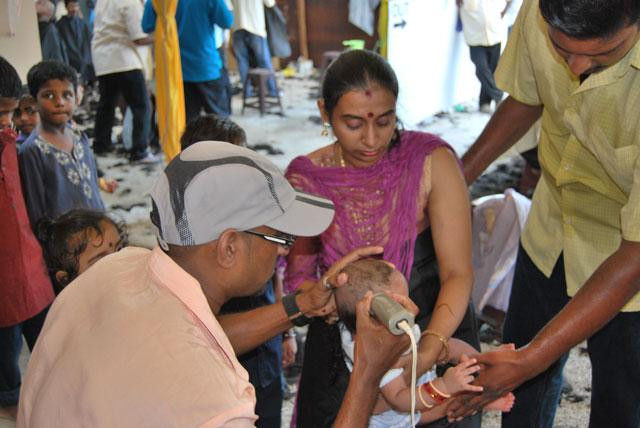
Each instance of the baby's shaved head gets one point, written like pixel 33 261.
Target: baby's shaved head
pixel 366 275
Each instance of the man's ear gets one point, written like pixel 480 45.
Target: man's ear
pixel 62 277
pixel 323 111
pixel 229 247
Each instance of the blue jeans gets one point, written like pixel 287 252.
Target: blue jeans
pixel 614 352
pixel 250 51
pixel 210 96
pixel 485 58
pixel 10 347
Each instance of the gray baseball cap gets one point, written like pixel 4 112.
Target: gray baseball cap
pixel 212 186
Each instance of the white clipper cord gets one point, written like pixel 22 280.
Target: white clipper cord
pixel 399 321
pixel 414 367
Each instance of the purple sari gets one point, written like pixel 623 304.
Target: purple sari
pixel 377 205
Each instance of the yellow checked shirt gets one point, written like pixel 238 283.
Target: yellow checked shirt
pixel 588 197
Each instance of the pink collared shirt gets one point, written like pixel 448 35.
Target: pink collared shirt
pixel 132 342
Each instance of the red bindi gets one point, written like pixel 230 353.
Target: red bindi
pixel 369 115
pixel 367 92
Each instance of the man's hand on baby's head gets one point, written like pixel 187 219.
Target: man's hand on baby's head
pixel 316 299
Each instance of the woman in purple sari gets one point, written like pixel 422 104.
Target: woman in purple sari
pixel 398 189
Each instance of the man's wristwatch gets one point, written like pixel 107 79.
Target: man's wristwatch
pixel 293 311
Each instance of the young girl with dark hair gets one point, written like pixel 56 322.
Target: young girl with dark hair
pixel 73 242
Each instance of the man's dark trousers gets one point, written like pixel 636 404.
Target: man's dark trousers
pixel 133 88
pixel 211 96
pixel 614 352
pixel 486 59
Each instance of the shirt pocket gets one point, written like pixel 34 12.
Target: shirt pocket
pixel 620 166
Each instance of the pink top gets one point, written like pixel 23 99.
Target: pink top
pixel 25 288
pixel 377 205
pixel 132 342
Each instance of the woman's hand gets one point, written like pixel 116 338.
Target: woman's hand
pixel 316 298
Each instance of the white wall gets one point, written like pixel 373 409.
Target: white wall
pixel 22 49
pixel 430 58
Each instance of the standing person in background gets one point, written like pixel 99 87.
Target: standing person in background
pixel 118 65
pixel 76 36
pixel 51 43
pixel 249 40
pixel 201 63
pixel 483 31
pixel 25 288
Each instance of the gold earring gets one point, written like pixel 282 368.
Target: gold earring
pixel 325 129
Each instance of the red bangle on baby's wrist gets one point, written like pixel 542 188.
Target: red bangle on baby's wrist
pixel 437 396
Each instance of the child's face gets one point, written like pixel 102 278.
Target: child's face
pixel 73 8
pixel 7 106
pixel 99 246
pixel 56 101
pixel 26 117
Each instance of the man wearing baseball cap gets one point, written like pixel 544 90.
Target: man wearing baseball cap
pixel 135 340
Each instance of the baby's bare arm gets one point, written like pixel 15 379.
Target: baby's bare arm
pixel 458 348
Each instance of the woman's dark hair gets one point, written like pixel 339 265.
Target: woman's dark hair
pixel 214 128
pixel 66 237
pixel 44 71
pixel 357 70
pixel 10 85
pixel 589 19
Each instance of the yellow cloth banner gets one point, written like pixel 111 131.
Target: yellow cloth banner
pixel 169 86
pixel 383 26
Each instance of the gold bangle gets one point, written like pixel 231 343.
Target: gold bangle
pixel 442 339
pixel 428 406
pixel 433 385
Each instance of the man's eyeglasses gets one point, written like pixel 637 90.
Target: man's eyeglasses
pixel 286 241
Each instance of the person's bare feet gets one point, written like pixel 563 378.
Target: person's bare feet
pixel 10 412
pixel 502 404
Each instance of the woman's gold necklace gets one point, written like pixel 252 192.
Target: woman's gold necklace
pixel 338 154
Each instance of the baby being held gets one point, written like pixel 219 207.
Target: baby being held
pixel 394 404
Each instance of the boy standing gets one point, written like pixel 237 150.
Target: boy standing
pixel 26 291
pixel 57 166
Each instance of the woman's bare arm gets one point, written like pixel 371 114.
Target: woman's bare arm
pixel 450 221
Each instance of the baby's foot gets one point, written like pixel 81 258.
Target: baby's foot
pixel 502 404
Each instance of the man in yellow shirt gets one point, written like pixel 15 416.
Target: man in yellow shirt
pixel 576 65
